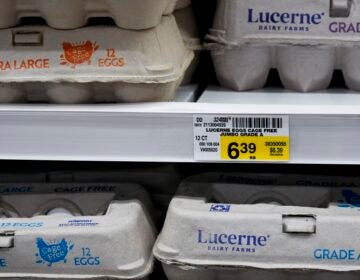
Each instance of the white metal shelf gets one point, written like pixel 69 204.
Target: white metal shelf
pixel 324 127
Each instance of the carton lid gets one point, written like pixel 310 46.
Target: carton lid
pixel 289 22
pixel 67 14
pixel 93 54
pixel 235 224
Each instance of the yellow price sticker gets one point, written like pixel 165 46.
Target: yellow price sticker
pixel 255 148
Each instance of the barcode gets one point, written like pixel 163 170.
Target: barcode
pixel 257 123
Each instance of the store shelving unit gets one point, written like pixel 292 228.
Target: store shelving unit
pixel 324 127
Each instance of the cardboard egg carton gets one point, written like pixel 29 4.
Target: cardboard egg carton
pixel 75 231
pixel 72 14
pixel 305 42
pixel 185 19
pixel 220 227
pixel 93 64
pixel 160 181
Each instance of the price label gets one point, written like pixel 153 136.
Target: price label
pixel 254 148
pixel 241 138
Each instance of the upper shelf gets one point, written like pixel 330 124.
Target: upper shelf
pixel 324 127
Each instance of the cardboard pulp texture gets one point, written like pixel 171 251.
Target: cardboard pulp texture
pixel 304 41
pixel 181 4
pixel 161 182
pixel 220 230
pixel 185 19
pixel 75 231
pixel 155 179
pixel 93 64
pixel 72 14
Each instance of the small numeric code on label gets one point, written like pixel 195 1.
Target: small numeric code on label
pixel 275 144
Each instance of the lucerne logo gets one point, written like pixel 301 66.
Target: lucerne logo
pixel 284 18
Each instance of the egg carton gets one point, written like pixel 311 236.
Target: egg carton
pixel 75 231
pixel 305 42
pixel 218 230
pixel 160 181
pixel 185 19
pixel 72 14
pixel 93 64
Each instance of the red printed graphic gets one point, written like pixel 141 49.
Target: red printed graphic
pixel 24 64
pixel 78 54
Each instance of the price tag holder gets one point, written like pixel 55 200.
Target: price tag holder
pixel 241 138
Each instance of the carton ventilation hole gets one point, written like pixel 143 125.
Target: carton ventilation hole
pixel 299 224
pixel 40 21
pixel 32 21
pixel 273 79
pixel 102 21
pixel 338 80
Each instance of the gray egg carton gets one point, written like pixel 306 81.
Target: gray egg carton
pixel 92 64
pixel 186 21
pixel 72 14
pixel 75 231
pixel 221 229
pixel 305 42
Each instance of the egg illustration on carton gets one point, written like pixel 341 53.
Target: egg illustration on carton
pixel 51 253
pixel 75 54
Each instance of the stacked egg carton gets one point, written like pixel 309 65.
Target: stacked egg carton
pixel 83 223
pixel 186 21
pixel 142 58
pixel 304 40
pixel 161 181
pixel 76 231
pixel 241 226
